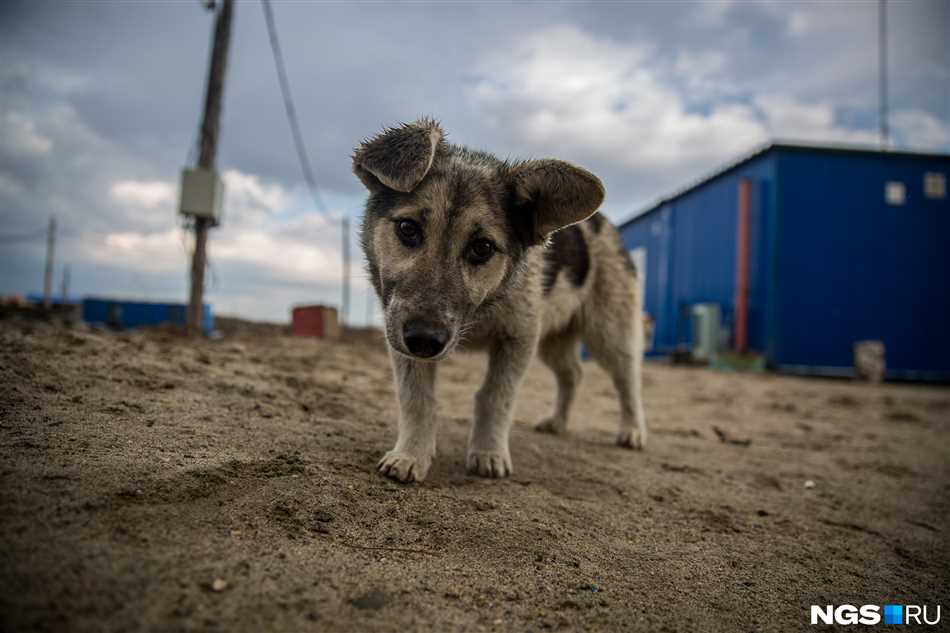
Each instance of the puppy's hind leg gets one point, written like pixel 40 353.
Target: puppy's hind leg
pixel 616 348
pixel 412 456
pixel 560 352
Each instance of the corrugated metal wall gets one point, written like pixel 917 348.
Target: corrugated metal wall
pixel 691 254
pixel 132 314
pixel 853 267
pixel 831 261
pixel 652 233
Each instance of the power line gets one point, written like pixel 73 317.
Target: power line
pixel 289 107
pixel 304 159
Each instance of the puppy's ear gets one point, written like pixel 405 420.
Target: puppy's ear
pixel 551 194
pixel 398 158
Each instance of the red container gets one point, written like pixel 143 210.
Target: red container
pixel 317 321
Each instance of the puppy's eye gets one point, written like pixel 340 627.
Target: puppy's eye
pixel 409 232
pixel 480 251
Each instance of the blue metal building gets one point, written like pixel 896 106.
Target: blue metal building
pixel 834 245
pixel 121 314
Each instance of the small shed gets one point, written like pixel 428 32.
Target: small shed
pixel 804 251
pixel 318 321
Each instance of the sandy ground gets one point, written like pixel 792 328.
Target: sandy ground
pixel 137 470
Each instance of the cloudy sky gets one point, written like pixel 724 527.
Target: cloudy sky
pixel 100 102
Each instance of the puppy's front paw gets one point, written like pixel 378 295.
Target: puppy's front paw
pixel 632 438
pixel 551 425
pixel 490 464
pixel 404 467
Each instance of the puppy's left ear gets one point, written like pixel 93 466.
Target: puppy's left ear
pixel 552 194
pixel 398 158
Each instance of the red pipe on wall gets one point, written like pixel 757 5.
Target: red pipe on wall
pixel 742 266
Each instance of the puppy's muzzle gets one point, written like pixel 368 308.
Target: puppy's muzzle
pixel 424 339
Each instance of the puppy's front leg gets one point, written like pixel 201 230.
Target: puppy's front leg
pixel 488 453
pixel 415 387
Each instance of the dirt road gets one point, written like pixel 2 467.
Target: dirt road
pixel 149 483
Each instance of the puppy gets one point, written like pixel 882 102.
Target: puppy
pixel 466 250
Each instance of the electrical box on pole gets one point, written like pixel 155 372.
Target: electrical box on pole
pixel 202 192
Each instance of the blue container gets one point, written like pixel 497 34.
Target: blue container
pixel 832 260
pixel 132 314
pixel 55 299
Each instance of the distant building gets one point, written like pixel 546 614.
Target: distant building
pixel 316 321
pixel 120 314
pixel 833 245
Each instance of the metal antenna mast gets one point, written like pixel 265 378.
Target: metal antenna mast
pixel 882 69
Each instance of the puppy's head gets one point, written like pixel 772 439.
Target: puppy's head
pixel 446 228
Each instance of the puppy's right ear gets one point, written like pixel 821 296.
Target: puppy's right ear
pixel 398 158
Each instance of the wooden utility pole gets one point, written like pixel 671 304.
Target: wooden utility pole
pixel 345 307
pixel 210 127
pixel 64 288
pixel 48 274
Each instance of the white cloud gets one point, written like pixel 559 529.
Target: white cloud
pixel 269 243
pixel 803 19
pixel 21 137
pixel 791 119
pixel 710 13
pixel 150 194
pixel 64 167
pixel 794 118
pixel 247 196
pixel 644 122
pixel 798 23
pixel 787 118
pixel 258 230
pixel 288 260
pixel 565 90
pixel 920 130
pixel 151 252
pixel 10 187
pixel 701 71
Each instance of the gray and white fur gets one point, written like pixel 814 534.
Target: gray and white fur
pixel 468 251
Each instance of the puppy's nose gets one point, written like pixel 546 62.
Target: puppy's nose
pixel 423 338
